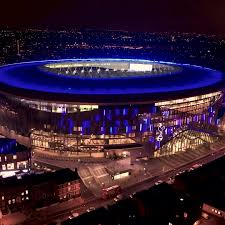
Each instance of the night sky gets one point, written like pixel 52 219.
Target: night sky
pixel 207 16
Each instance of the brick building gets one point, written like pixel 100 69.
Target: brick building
pixel 37 190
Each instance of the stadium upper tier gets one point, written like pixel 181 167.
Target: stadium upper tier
pixel 110 69
pixel 107 81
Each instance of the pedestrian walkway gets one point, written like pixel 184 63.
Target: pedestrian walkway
pixel 185 157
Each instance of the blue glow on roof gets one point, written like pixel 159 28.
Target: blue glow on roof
pixel 7 146
pixel 27 76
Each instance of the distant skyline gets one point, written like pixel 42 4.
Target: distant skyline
pixel 143 15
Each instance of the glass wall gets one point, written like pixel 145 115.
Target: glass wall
pixel 92 127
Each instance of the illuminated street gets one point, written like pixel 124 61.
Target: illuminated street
pixel 144 181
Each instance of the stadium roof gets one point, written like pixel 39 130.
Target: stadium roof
pixel 28 80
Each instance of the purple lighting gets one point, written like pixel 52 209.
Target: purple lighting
pixel 28 76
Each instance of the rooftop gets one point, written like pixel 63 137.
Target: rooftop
pixel 59 177
pixel 10 146
pixel 29 80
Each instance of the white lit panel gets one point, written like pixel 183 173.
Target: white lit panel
pixel 138 67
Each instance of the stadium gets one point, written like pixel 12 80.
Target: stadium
pixel 102 107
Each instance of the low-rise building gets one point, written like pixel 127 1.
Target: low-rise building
pixel 37 190
pixel 13 156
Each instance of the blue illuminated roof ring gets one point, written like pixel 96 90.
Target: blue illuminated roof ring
pixel 27 80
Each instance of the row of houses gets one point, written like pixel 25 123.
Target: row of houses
pixel 38 190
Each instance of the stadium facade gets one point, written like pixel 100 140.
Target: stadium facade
pixel 96 107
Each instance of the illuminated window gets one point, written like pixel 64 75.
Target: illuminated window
pixel 22 193
pixel 77 129
pixel 14 157
pixel 69 188
pixel 26 191
pixel 5 158
pixel 10 166
pixel 22 165
pixel 9 202
pixel 27 198
pixel 68 183
pixel 3 167
pixel 13 201
pixel 3 197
